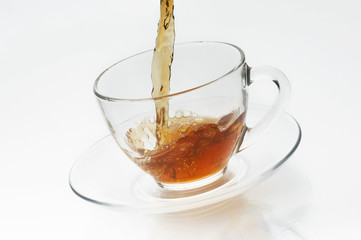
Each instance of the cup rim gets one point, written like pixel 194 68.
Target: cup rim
pixel 113 99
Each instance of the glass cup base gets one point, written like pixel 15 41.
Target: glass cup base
pixel 193 184
pixel 148 190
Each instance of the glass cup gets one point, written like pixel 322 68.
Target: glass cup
pixel 207 111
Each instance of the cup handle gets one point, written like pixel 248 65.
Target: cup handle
pixel 266 73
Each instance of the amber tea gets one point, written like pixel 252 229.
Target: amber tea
pixel 195 148
pixel 186 149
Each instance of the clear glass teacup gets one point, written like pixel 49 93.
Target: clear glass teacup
pixel 207 112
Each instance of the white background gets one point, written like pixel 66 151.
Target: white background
pixel 52 51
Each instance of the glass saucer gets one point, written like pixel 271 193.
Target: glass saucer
pixel 104 174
